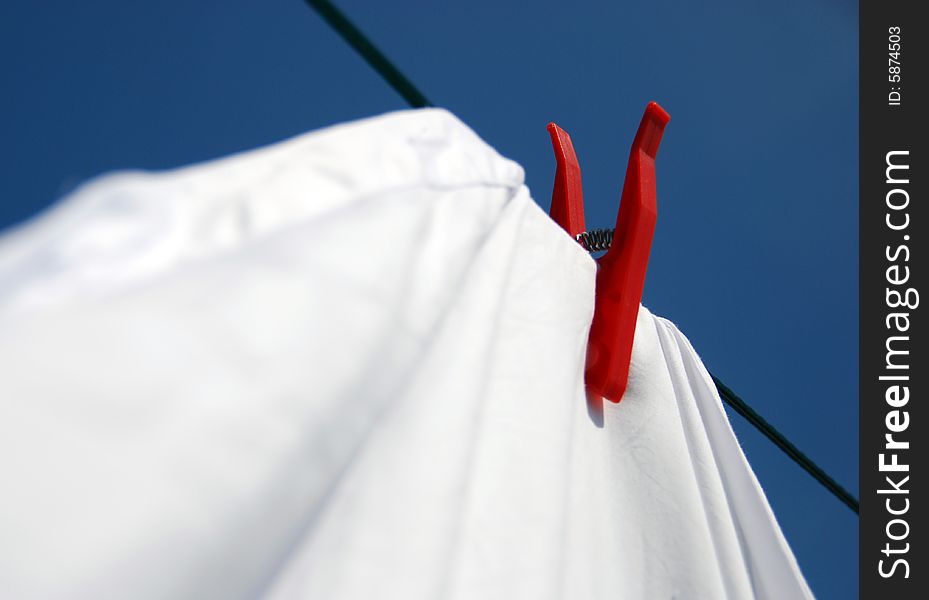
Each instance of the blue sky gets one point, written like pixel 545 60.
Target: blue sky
pixel 755 253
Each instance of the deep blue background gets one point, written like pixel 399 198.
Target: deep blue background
pixel 755 255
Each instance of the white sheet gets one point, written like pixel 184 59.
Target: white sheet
pixel 350 365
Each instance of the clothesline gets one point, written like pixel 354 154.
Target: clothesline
pixel 416 99
pixel 368 51
pixel 749 414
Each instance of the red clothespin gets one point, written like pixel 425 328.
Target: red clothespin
pixel 621 271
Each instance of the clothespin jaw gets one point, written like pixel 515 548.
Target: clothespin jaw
pixel 621 271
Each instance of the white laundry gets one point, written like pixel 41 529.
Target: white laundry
pixel 350 365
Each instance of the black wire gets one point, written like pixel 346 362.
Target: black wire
pixel 416 99
pixel 369 52
pixel 784 444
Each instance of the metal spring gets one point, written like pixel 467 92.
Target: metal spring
pixel 596 240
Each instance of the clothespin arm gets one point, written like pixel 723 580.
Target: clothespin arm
pixel 621 273
pixel 567 194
